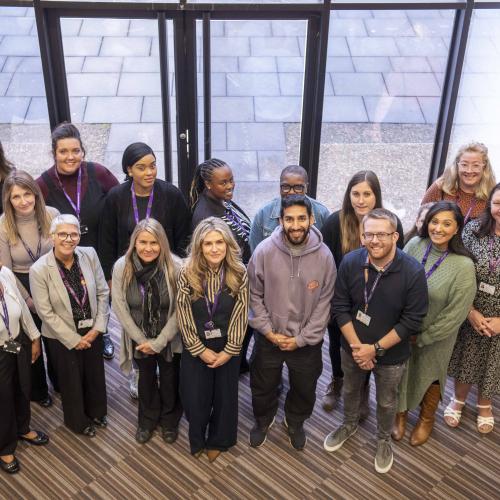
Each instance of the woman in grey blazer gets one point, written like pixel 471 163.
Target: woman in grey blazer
pixel 144 300
pixel 71 297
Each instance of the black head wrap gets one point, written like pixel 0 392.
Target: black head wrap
pixel 133 153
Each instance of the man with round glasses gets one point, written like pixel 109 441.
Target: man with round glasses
pixel 293 180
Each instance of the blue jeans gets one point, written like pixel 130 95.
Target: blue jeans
pixel 387 378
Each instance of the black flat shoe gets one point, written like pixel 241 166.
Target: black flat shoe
pixel 40 439
pixel 89 431
pixel 11 467
pixel 45 403
pixel 169 435
pixel 143 435
pixel 101 422
pixel 108 350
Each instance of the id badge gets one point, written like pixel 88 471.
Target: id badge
pixel 12 346
pixel 84 229
pixel 489 289
pixel 213 334
pixel 363 318
pixel 85 323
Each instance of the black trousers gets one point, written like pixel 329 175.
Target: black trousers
pixel 334 335
pixel 159 403
pixel 15 380
pixel 210 400
pixel 304 368
pixel 82 383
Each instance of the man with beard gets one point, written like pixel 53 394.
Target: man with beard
pixel 379 303
pixel 292 276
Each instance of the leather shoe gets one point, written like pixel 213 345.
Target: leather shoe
pixel 10 467
pixel 212 455
pixel 169 435
pixel 45 403
pixel 89 431
pixel 399 427
pixel 143 435
pixel 108 350
pixel 100 422
pixel 40 439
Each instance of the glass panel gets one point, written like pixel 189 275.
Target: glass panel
pixel 24 129
pixel 386 70
pixel 477 117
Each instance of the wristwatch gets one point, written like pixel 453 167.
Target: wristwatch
pixel 379 350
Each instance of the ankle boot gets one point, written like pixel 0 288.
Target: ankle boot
pixel 333 394
pixel 399 428
pixel 428 407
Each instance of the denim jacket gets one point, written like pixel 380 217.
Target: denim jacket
pixel 267 219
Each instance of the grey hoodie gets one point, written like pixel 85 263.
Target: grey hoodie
pixel 291 294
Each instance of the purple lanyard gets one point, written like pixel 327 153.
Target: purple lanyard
pixel 436 264
pixel 76 207
pixel 81 304
pixel 33 257
pixel 231 213
pixel 493 262
pixel 369 296
pixel 211 308
pixel 5 315
pixel 134 203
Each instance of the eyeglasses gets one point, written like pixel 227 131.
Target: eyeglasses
pixel 72 236
pixel 380 236
pixel 474 167
pixel 296 188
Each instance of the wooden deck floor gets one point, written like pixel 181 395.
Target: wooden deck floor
pixel 454 464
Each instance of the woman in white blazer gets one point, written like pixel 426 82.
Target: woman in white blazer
pixel 71 297
pixel 19 348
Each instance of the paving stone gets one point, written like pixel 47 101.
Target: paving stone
pixel 480 64
pixel 121 46
pixel 337 46
pixel 19 46
pixel 372 46
pixel 347 27
pixel 143 27
pixel 396 27
pixel 354 14
pixel 231 109
pixel 123 134
pixel 217 84
pixel 15 25
pixel 413 46
pixel 344 109
pixel 2 61
pixel 92 84
pixel 293 64
pixel 411 84
pixel 259 64
pixel 13 109
pixel 277 46
pixel 292 84
pixel 483 110
pixel 255 136
pixel 74 64
pixel 69 26
pixel 410 64
pixel 29 65
pixel 113 110
pixel 81 46
pixel 393 110
pixel 248 28
pixel 278 109
pixel 438 64
pixel 102 65
pixel 141 64
pixel 485 27
pixel 219 64
pixel 491 47
pixel 27 85
pixel 389 14
pixel 271 163
pixel 139 84
pixel 12 11
pixel 218 136
pixel 432 27
pixel 104 27
pixel 37 111
pixel 12 64
pixel 339 65
pixel 371 64
pixel 475 85
pixel 358 84
pixel 289 28
pixel 243 164
pixel 418 14
pixel 430 108
pixel 152 111
pixel 252 84
pixel 230 46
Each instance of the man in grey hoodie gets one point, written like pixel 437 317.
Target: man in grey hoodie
pixel 292 276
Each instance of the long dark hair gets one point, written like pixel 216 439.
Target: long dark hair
pixel 414 230
pixel 5 165
pixel 455 245
pixel 486 221
pixel 349 224
pixel 202 174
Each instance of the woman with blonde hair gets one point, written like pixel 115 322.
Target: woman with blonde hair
pixel 467 181
pixel 144 300
pixel 212 312
pixel 24 238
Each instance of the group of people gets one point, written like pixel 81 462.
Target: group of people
pixel 191 284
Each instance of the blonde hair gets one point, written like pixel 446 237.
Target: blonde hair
pixel 449 181
pixel 23 180
pixel 196 266
pixel 165 259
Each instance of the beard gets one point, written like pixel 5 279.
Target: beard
pixel 297 241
